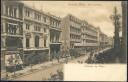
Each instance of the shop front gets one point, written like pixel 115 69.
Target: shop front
pixel 3 66
pixel 13 61
pixel 35 57
pixel 54 50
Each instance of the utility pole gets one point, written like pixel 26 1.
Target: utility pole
pixel 115 18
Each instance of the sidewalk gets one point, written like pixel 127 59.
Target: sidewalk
pixel 45 64
pixel 37 67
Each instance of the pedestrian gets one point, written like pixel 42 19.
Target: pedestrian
pixel 6 75
pixel 58 55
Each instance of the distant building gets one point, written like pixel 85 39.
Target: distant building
pixel 110 42
pixel 81 35
pixel 103 41
pixel 89 37
pixel 35 36
pixel 71 31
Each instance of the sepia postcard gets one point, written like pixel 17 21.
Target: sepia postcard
pixel 63 40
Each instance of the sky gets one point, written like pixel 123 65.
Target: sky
pixel 96 13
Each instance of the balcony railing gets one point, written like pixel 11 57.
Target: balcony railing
pixel 14 33
pixel 87 44
pixel 11 17
pixel 13 48
pixel 91 38
pixel 91 33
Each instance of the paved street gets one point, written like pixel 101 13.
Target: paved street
pixel 44 72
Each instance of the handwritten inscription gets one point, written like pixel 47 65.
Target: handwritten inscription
pixel 94 66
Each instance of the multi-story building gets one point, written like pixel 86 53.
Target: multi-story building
pixel 41 35
pixel 35 35
pixel 110 42
pixel 71 31
pixel 89 37
pixel 103 40
pixel 29 33
pixel 55 34
pixel 11 32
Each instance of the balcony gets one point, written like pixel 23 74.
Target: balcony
pixel 12 34
pixel 33 48
pixel 78 44
pixel 13 29
pixel 75 40
pixel 91 33
pixel 55 42
pixel 13 48
pixel 12 18
pixel 3 48
pixel 75 33
pixel 91 39
pixel 32 19
pixel 55 28
pixel 91 44
pixel 87 44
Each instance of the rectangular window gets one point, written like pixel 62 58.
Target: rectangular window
pixel 37 41
pixel 1 27
pixel 10 11
pixel 44 43
pixel 7 10
pixel 11 28
pixel 44 19
pixel 15 12
pixel 27 12
pixel 27 43
pixel 27 26
pixel 39 17
pixel 37 28
pixel 35 16
pixel 44 29
pixel 50 22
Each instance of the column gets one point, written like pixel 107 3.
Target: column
pixel 4 26
pixel 17 12
pixel 32 41
pixel 4 42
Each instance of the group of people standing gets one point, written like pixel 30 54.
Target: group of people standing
pixel 61 54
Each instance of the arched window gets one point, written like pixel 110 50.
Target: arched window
pixel 36 41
